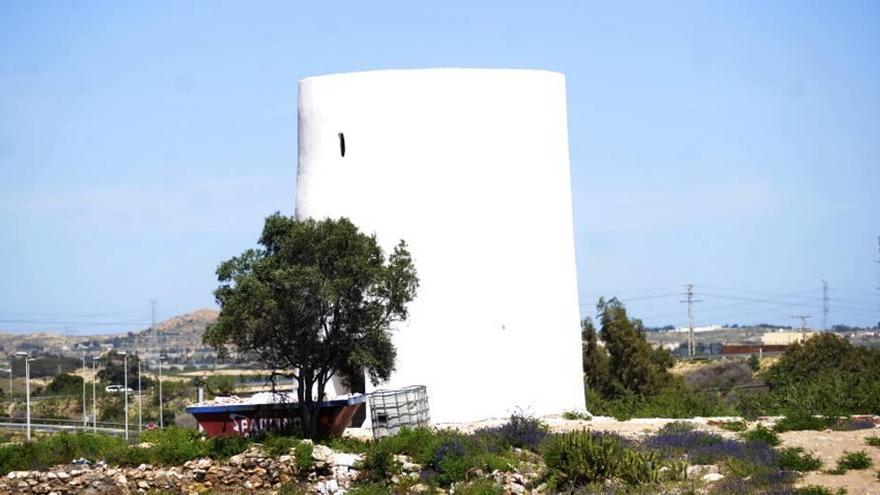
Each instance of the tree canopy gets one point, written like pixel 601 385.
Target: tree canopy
pixel 112 370
pixel 317 297
pixel 65 384
pixel 627 364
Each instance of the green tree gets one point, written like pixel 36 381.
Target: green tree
pixel 319 298
pixel 595 358
pixel 634 366
pixel 754 362
pixel 64 384
pixel 113 370
pixel 223 385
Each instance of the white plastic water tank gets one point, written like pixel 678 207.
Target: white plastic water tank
pixel 470 167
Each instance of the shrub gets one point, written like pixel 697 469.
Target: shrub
pixel 735 426
pixel 61 448
pixel 64 384
pixel 450 461
pixel 293 488
pixel 674 401
pixel 797 459
pixel 228 446
pixel 759 479
pixel 418 443
pixel 873 441
pixel 802 422
pixel 722 376
pixel 479 487
pixel 497 462
pixel 754 362
pixel 174 445
pixel 823 375
pixel 761 434
pixel 302 459
pixel 348 444
pixel 676 427
pixel 369 489
pixel 674 443
pixel 278 445
pixel 379 464
pixel 575 415
pixel 701 447
pixel 817 490
pixel 134 456
pixel 853 460
pixel 581 458
pixel 221 384
pixel 521 431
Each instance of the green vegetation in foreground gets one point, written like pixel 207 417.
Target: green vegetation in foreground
pixel 576 462
pixel 812 384
pixel 761 434
pixel 586 461
pixel 734 426
pixel 628 378
pixel 797 459
pixel 171 446
pixel 852 460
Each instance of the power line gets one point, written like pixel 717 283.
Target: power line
pixel 629 291
pixel 771 301
pixel 775 294
pixel 784 296
pixel 645 298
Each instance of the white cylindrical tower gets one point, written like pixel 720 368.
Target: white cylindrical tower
pixel 470 167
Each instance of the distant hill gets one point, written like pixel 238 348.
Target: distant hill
pixel 184 331
pixel 181 333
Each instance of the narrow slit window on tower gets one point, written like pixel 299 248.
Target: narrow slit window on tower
pixel 342 144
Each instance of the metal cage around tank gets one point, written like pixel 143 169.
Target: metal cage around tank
pixel 390 410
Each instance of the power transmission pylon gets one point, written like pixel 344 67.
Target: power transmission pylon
pixel 692 345
pixel 825 308
pixel 803 319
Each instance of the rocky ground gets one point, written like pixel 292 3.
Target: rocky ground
pixel 250 471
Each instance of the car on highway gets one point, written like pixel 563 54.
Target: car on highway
pixel 113 389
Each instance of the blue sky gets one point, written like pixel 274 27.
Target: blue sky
pixel 733 145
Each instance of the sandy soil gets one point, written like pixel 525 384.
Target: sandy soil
pixel 829 446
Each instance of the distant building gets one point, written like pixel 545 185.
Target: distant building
pixel 785 338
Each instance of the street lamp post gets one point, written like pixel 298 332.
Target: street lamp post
pixel 10 378
pixel 140 400
pixel 161 419
pixel 27 388
pixel 85 414
pixel 125 388
pixel 94 395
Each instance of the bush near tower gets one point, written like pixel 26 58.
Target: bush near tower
pixel 318 298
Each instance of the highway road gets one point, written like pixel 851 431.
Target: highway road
pixel 56 425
